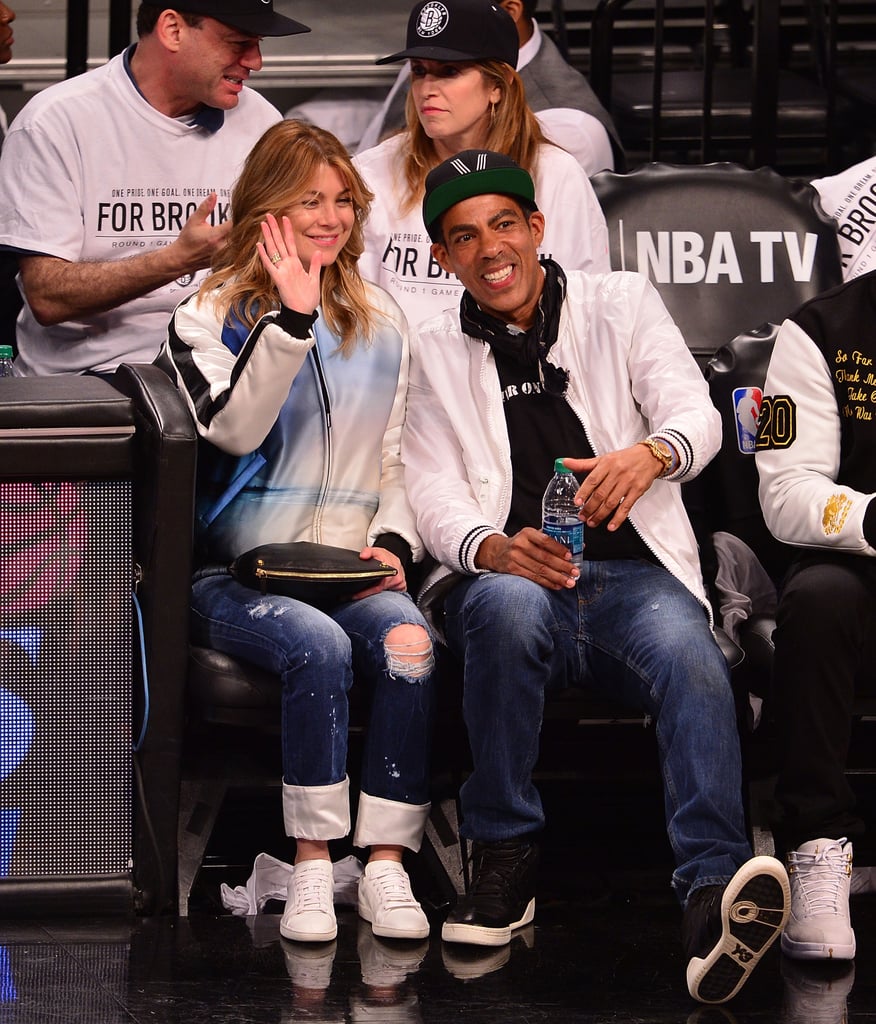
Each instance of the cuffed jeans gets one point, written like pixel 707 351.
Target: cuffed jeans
pixel 317 654
pixel 825 637
pixel 630 631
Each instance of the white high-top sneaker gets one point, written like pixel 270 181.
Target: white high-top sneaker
pixel 819 927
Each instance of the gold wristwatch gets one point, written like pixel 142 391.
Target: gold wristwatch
pixel 660 450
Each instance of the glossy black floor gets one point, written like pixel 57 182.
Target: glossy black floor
pixel 604 946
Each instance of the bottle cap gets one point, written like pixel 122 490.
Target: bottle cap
pixel 559 467
pixel 5 351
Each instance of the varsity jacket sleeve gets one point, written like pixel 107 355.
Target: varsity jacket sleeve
pixel 798 452
pixel 235 399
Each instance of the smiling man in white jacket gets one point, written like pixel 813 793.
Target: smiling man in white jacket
pixel 534 365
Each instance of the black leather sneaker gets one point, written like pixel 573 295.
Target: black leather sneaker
pixel 501 897
pixel 726 930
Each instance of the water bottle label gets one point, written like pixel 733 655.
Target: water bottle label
pixel 569 531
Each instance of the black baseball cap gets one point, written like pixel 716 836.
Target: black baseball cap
pixel 473 172
pixel 459 30
pixel 254 17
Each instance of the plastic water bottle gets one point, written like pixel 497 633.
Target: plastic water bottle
pixel 5 361
pixel 559 512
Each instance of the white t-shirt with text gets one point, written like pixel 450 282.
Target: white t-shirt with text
pixel 397 248
pixel 91 172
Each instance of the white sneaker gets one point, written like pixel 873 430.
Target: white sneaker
pixel 309 915
pixel 819 927
pixel 386 901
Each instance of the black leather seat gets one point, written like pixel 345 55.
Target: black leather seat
pixel 727 248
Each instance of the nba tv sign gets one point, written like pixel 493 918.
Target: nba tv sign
pixel 689 257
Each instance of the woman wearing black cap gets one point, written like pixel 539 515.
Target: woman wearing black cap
pixel 465 94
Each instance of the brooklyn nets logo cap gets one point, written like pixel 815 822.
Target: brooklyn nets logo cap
pixel 453 30
pixel 473 172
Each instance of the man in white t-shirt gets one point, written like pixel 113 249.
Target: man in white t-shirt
pixel 850 198
pixel 116 183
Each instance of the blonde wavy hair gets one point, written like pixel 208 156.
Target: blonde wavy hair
pixel 514 130
pixel 278 173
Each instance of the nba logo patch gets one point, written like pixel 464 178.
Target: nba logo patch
pixel 746 408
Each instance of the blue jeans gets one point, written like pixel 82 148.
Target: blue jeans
pixel 317 654
pixel 629 631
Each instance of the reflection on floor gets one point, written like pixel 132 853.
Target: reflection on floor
pixel 618 962
pixel 604 947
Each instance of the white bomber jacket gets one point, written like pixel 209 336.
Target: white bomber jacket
pixel 631 375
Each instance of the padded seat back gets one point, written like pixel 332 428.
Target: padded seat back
pixel 727 248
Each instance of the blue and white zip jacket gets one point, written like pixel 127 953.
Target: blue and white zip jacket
pixel 304 443
pixel 630 375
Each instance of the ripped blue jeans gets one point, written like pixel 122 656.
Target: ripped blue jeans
pixel 317 654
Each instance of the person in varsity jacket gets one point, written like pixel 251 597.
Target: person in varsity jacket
pixel 816 458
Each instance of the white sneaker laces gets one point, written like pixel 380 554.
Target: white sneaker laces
pixel 821 874
pixel 395 889
pixel 312 893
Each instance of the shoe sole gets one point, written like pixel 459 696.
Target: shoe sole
pixel 754 909
pixel 482 935
pixel 385 932
pixel 817 950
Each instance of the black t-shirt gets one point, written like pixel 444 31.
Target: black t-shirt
pixel 542 428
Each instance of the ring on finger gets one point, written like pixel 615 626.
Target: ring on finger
pixel 621 500
pixel 275 257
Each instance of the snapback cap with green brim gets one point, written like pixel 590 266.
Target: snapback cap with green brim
pixel 254 17
pixel 473 172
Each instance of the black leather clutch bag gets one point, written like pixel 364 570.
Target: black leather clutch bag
pixel 319 574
